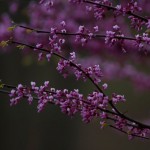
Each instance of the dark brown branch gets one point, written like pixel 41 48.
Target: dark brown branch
pixel 62 57
pixel 134 135
pixel 75 34
pixel 141 125
pixel 8 92
pixel 84 101
pixel 114 9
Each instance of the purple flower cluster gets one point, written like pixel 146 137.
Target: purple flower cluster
pixel 19 93
pixel 70 66
pixel 95 105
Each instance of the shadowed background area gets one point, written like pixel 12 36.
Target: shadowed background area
pixel 21 127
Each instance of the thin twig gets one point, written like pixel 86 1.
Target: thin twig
pixel 114 9
pixel 75 34
pixel 134 135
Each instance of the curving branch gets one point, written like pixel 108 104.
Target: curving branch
pixel 80 109
pixel 114 9
pixel 80 34
pixel 117 112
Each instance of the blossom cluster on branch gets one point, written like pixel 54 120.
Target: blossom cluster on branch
pixel 95 28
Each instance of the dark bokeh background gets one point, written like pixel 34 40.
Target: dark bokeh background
pixel 21 127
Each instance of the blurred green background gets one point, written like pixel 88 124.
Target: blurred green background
pixel 22 128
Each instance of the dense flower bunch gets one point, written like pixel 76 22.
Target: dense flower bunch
pixel 51 31
pixel 95 105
